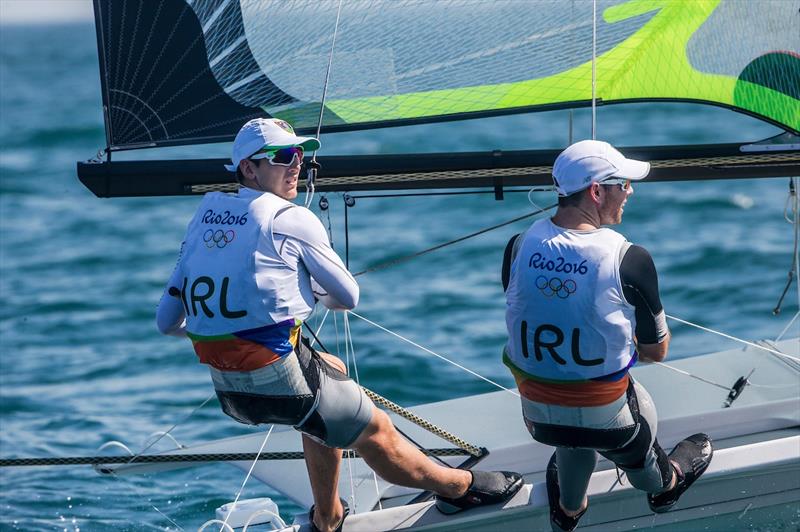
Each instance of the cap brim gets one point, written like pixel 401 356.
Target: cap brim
pixel 308 143
pixel 633 170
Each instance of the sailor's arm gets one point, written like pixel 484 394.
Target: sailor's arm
pixel 333 285
pixel 170 317
pixel 640 288
pixel 510 253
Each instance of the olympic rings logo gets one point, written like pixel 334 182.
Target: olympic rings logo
pixel 556 287
pixel 218 238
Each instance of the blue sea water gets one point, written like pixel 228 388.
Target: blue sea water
pixel 81 362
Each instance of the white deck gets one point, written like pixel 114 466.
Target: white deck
pixel 756 464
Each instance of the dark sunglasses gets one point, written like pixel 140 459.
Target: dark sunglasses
pixel 280 156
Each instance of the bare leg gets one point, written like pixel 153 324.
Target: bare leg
pixel 397 461
pixel 389 454
pixel 323 464
pixel 333 360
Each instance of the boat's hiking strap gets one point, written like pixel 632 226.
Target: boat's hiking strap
pixel 171 458
pixel 464 448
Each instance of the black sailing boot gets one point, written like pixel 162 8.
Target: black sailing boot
pixel 559 520
pixel 690 458
pixel 487 487
pixel 314 528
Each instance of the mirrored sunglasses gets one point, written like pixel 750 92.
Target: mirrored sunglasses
pixel 281 156
pixel 624 184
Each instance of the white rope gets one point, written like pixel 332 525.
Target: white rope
pixel 316 333
pixel 788 325
pixel 348 347
pixel 349 340
pixel 247 477
pixel 384 329
pixel 173 427
pixel 728 336
pixel 143 497
pixel 541 210
pixel 336 331
pixel 673 368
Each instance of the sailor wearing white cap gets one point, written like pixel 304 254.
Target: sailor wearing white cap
pixel 250 269
pixel 262 136
pixel 582 305
pixel 594 161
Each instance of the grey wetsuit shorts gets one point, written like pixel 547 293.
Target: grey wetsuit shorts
pixel 301 390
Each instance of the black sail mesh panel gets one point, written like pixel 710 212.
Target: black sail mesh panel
pixel 158 85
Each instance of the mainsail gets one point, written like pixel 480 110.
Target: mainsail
pixel 192 71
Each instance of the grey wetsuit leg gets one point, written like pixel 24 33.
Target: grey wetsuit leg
pixel 344 408
pixel 642 459
pixel 575 468
pixel 577 431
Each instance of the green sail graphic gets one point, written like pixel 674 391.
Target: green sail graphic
pixel 651 64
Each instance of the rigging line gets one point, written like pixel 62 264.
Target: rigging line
pixel 336 329
pixel 673 368
pixel 413 418
pixel 421 448
pixel 794 270
pixel 574 44
pixel 406 436
pixel 324 201
pixel 348 349
pixel 477 452
pixel 247 477
pixel 456 364
pixel 311 173
pixel 190 414
pixel 394 262
pixel 788 325
pixel 142 497
pixel 722 386
pixel 788 204
pixel 314 334
pixel 348 338
pixel 346 235
pixel 728 336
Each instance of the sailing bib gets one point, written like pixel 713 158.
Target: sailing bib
pixel 566 316
pixel 235 284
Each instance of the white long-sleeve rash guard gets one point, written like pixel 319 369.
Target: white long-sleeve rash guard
pixel 302 242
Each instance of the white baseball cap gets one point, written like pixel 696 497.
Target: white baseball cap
pixel 592 161
pixel 266 132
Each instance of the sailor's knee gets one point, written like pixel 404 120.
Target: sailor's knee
pixel 333 360
pixel 378 431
